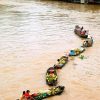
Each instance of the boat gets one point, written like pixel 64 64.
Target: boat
pixel 51 76
pixel 61 62
pixel 77 51
pixel 88 42
pixel 47 93
pixel 80 32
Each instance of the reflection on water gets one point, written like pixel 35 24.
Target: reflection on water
pixel 33 34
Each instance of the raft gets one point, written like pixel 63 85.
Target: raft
pixel 47 93
pixel 77 51
pixel 51 76
pixel 80 32
pixel 88 42
pixel 61 62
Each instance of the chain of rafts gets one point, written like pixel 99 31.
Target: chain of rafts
pixel 51 74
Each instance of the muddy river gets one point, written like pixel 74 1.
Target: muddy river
pixel 34 34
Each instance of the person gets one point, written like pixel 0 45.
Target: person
pixel 86 44
pixel 83 32
pixel 81 28
pixel 56 66
pixel 23 96
pixel 58 60
pixel 72 52
pixel 27 94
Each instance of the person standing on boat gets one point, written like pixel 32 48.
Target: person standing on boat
pixel 81 28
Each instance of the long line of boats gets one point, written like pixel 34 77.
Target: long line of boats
pixel 51 74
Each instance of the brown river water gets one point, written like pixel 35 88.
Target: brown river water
pixel 34 34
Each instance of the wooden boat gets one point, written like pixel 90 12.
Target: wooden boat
pixel 44 93
pixel 47 93
pixel 51 76
pixel 80 32
pixel 61 62
pixel 88 42
pixel 76 52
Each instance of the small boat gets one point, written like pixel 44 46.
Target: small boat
pixel 61 62
pixel 47 93
pixel 80 32
pixel 88 42
pixel 51 76
pixel 76 52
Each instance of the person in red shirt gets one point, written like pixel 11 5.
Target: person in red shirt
pixel 27 94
